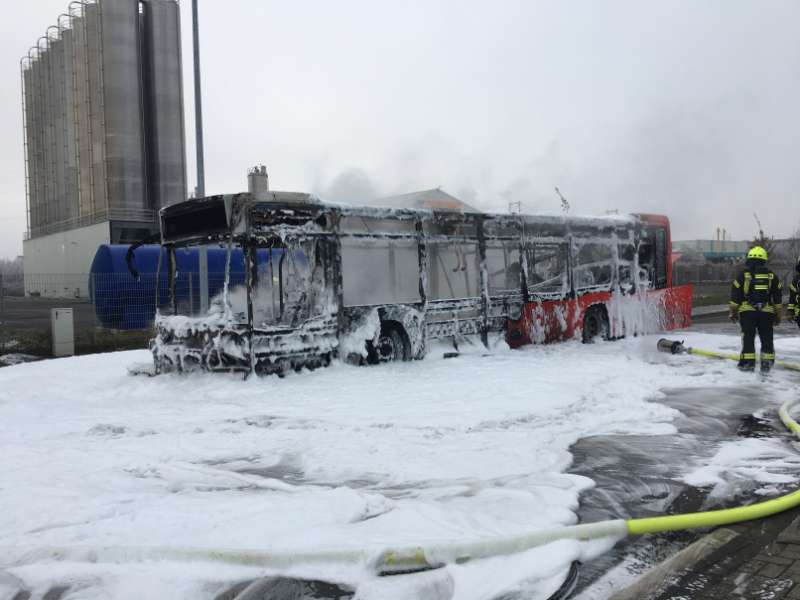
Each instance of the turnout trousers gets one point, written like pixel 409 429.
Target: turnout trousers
pixel 752 322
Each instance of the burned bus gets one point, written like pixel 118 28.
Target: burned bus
pixel 306 282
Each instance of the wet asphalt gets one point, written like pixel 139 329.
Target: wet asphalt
pixel 640 476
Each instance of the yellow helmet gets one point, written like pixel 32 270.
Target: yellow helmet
pixel 757 252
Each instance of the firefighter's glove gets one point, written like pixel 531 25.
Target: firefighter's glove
pixel 778 315
pixel 733 314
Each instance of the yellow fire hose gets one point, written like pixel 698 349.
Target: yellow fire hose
pixel 674 347
pixel 412 558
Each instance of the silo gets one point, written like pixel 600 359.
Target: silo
pixel 57 105
pixel 37 158
pixel 32 130
pixel 121 76
pixel 46 156
pixel 83 128
pixel 103 107
pixel 24 67
pixel 163 88
pixel 97 121
pixel 70 129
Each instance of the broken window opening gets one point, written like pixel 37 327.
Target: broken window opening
pixel 503 268
pixel 289 283
pixel 594 266
pixel 547 269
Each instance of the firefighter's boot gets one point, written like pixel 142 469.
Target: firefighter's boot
pixel 767 362
pixel 747 364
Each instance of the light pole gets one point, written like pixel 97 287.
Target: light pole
pixel 200 189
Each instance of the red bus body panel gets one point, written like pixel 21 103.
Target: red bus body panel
pixel 557 320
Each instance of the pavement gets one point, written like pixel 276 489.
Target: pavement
pixel 756 560
pixel 714 309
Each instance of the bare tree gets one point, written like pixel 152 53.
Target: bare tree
pixel 766 242
pixel 11 267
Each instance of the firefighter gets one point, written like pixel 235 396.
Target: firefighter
pixel 756 302
pixel 793 308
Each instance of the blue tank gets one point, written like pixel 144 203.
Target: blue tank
pixel 122 302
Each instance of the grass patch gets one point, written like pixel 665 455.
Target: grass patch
pixel 39 342
pixel 711 294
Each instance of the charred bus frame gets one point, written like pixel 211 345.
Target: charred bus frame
pixel 324 324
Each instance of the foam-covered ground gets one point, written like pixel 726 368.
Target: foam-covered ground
pixel 345 457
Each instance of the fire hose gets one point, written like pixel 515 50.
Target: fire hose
pixel 674 347
pixel 433 555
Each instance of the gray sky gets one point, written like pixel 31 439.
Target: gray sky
pixel 682 107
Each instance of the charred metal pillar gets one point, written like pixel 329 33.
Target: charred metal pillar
pixel 173 272
pixel 484 281
pixel 523 263
pixel 251 275
pixel 202 273
pixel 422 261
pixel 250 250
pixel 422 258
pixel 333 269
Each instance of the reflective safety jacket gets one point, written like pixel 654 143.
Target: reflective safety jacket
pixel 756 289
pixel 793 307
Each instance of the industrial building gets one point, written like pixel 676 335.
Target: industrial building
pixel 434 198
pixel 104 135
pixel 713 250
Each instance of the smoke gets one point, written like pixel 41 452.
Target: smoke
pixel 706 163
pixel 351 186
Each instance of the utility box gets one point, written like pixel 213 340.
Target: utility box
pixel 63 327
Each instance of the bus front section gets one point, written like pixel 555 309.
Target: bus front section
pixel 267 299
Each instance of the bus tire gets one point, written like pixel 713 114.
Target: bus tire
pixel 392 345
pixel 595 324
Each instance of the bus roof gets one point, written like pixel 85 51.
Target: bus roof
pixel 216 214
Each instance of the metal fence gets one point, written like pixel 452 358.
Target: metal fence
pixel 110 311
pixel 26 303
pixel 721 273
pixel 704 273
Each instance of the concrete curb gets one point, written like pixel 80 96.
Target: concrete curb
pixel 652 582
pixel 716 309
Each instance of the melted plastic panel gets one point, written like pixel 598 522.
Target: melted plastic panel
pixel 380 271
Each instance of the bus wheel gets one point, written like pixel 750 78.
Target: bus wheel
pixel 391 345
pixel 595 323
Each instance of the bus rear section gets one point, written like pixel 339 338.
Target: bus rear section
pixel 609 277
